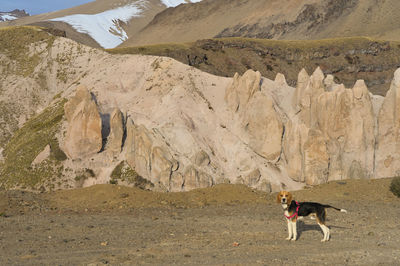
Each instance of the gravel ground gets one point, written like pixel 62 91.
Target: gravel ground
pixel 248 228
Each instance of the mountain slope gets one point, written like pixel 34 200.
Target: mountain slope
pixel 107 23
pixel 273 19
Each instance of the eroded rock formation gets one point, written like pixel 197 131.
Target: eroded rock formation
pixel 261 133
pixel 388 138
pixel 83 137
pixel 114 140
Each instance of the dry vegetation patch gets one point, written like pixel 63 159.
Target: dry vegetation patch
pixel 26 144
pixel 100 198
pixel 15 42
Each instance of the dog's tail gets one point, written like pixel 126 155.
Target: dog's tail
pixel 329 206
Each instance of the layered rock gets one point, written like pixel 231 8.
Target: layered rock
pixel 83 136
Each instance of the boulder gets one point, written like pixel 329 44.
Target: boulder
pixel 114 140
pixel 83 137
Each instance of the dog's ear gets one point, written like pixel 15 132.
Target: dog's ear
pixel 278 197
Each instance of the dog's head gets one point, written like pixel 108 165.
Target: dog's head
pixel 284 197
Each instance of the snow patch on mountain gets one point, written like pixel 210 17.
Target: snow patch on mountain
pixel 174 3
pixel 105 28
pixel 6 17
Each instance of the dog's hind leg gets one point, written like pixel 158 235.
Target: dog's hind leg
pixel 328 235
pixel 325 230
pixel 321 217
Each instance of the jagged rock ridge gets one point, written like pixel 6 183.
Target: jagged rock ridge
pixel 321 133
pixel 160 124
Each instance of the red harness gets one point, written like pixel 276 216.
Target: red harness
pixel 295 214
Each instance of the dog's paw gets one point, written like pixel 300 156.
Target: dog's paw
pixel 288 238
pixel 293 239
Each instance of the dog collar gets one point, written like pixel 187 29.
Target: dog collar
pixel 295 214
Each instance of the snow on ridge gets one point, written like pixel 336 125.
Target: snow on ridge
pixel 104 27
pixel 7 17
pixel 174 3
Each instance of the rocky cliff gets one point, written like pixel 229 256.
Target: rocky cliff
pixel 159 124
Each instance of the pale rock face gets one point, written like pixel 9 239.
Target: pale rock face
pixel 202 159
pixel 316 159
pixel 280 79
pixel 253 178
pixel 114 140
pixel 138 149
pixel 264 127
pixel 261 124
pixel 188 129
pixel 329 83
pixel 81 94
pixel 299 101
pixel 313 91
pixel 317 132
pixel 388 139
pixel 196 179
pixel 176 184
pixel 332 135
pixel 83 136
pixel 161 168
pixel 296 134
pixel 152 162
pixel 238 94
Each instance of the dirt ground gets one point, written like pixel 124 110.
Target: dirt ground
pixel 227 224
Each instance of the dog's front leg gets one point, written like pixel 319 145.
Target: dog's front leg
pixel 290 229
pixel 294 230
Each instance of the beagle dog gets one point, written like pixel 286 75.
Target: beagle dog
pixel 295 210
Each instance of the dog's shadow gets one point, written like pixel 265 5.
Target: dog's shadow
pixel 303 227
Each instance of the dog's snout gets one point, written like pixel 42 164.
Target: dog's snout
pixel 284 200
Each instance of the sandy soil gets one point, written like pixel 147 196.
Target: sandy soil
pixel 223 225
